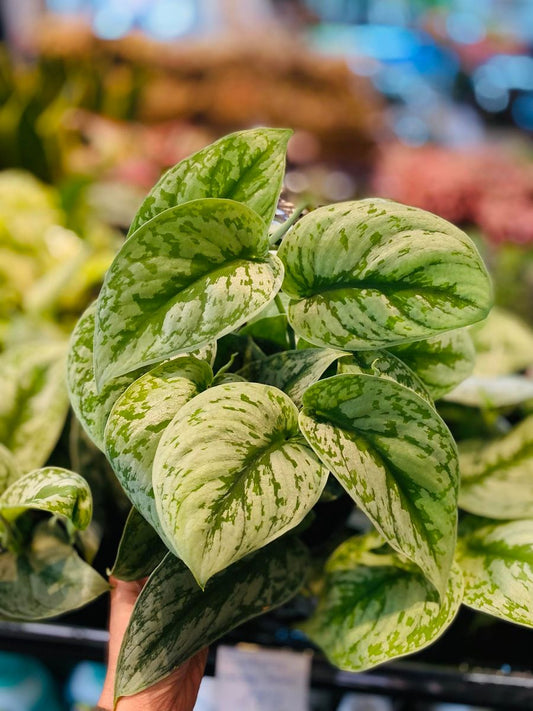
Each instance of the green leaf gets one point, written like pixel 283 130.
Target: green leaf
pixel 139 418
pixel 374 608
pixel 385 365
pixel 292 371
pixel 140 549
pixel 395 457
pixel 441 362
pixel 374 273
pixel 497 477
pixel 492 392
pixel 231 474
pixel 503 342
pixel 187 277
pixel 52 489
pixel 33 401
pixel 497 563
pixel 47 580
pixel 173 619
pixel 247 166
pixel 9 471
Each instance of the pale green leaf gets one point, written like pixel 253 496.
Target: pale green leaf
pixel 374 273
pixel 247 166
pixel 187 277
pixel 292 371
pixel 51 489
pixel 173 619
pixel 497 477
pixel 139 418
pixel 47 580
pixel 395 457
pixel 231 474
pixel 503 342
pixel 489 392
pixel 9 471
pixel 497 563
pixel 140 549
pixel 374 608
pixel 33 401
pixel 441 362
pixel 385 365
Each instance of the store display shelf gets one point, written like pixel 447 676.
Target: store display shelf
pixel 497 689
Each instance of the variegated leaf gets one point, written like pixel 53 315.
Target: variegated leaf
pixel 385 365
pixel 9 471
pixel 190 275
pixel 46 580
pixel 497 563
pixel 140 549
pixel 395 457
pixel 503 342
pixel 497 477
pixel 173 619
pixel 292 371
pixel 52 489
pixel 33 401
pixel 231 474
pixel 139 418
pixel 247 166
pixel 441 362
pixel 374 608
pixel 492 392
pixel 374 273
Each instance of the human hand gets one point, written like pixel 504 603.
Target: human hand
pixel 176 692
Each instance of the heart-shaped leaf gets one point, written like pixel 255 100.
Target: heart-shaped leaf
pixel 374 608
pixel 385 365
pixel 9 471
pixel 140 549
pixel 396 458
pixel 52 489
pixel 47 580
pixel 247 166
pixel 374 273
pixel 497 563
pixel 173 619
pixel 192 274
pixel 139 418
pixel 33 401
pixel 292 371
pixel 231 474
pixel 497 477
pixel 441 362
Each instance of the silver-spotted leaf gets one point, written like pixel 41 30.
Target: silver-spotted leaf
pixel 189 276
pixel 9 471
pixel 497 477
pixel 374 273
pixel 173 619
pixel 374 608
pixel 247 166
pixel 441 362
pixel 497 563
pixel 231 474
pixel 33 401
pixel 47 579
pixel 140 549
pixel 292 371
pixel 503 342
pixel 396 458
pixel 492 392
pixel 385 365
pixel 52 489
pixel 139 418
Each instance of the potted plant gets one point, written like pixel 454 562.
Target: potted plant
pixel 236 374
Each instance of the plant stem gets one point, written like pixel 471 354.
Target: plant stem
pixel 278 234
